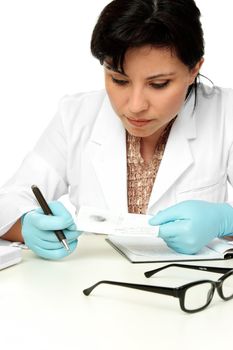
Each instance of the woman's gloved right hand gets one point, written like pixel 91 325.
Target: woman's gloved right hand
pixel 38 231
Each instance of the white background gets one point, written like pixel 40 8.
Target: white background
pixel 45 54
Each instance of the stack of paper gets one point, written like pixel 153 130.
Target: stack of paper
pixel 9 255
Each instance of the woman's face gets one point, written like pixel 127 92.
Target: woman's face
pixel 153 90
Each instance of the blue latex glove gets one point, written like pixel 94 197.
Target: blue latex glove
pixel 188 226
pixel 38 231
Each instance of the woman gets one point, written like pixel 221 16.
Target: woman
pixel 156 141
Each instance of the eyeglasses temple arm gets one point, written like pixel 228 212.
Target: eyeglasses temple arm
pixel 194 267
pixel 147 288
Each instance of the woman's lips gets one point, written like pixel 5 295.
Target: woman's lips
pixel 141 122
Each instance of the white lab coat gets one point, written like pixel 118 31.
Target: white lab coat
pixel 83 153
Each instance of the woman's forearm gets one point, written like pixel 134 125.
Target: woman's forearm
pixel 14 234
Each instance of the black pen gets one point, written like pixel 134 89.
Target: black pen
pixel 44 206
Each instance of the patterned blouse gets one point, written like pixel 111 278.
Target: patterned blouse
pixel 141 175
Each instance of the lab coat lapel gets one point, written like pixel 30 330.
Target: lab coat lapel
pixel 177 156
pixel 108 153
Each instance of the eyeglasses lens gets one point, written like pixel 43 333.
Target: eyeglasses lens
pixel 198 296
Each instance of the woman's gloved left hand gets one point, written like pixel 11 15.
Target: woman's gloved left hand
pixel 188 226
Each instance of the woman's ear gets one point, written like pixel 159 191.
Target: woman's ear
pixel 195 70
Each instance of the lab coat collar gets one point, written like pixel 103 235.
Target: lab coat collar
pixel 108 153
pixel 108 142
pixel 177 157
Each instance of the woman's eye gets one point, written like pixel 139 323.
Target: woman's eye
pixel 159 85
pixel 119 82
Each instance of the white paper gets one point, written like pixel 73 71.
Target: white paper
pixel 97 220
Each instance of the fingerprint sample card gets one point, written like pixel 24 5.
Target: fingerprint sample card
pixel 97 220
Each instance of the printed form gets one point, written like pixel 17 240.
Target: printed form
pixel 101 221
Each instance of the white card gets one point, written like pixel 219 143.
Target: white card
pixel 105 222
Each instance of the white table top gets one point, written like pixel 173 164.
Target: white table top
pixel 42 305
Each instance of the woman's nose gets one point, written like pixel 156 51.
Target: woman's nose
pixel 137 102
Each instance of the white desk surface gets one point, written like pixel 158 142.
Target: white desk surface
pixel 42 305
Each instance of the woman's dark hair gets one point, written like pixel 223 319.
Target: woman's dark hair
pixel 172 24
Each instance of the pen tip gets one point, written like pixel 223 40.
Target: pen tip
pixel 66 245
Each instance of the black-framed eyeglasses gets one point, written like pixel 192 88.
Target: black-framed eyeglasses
pixel 193 296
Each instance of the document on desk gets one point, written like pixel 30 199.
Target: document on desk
pixel 148 249
pixel 97 220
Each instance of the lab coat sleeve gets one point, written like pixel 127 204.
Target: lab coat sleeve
pixel 44 166
pixel 229 137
